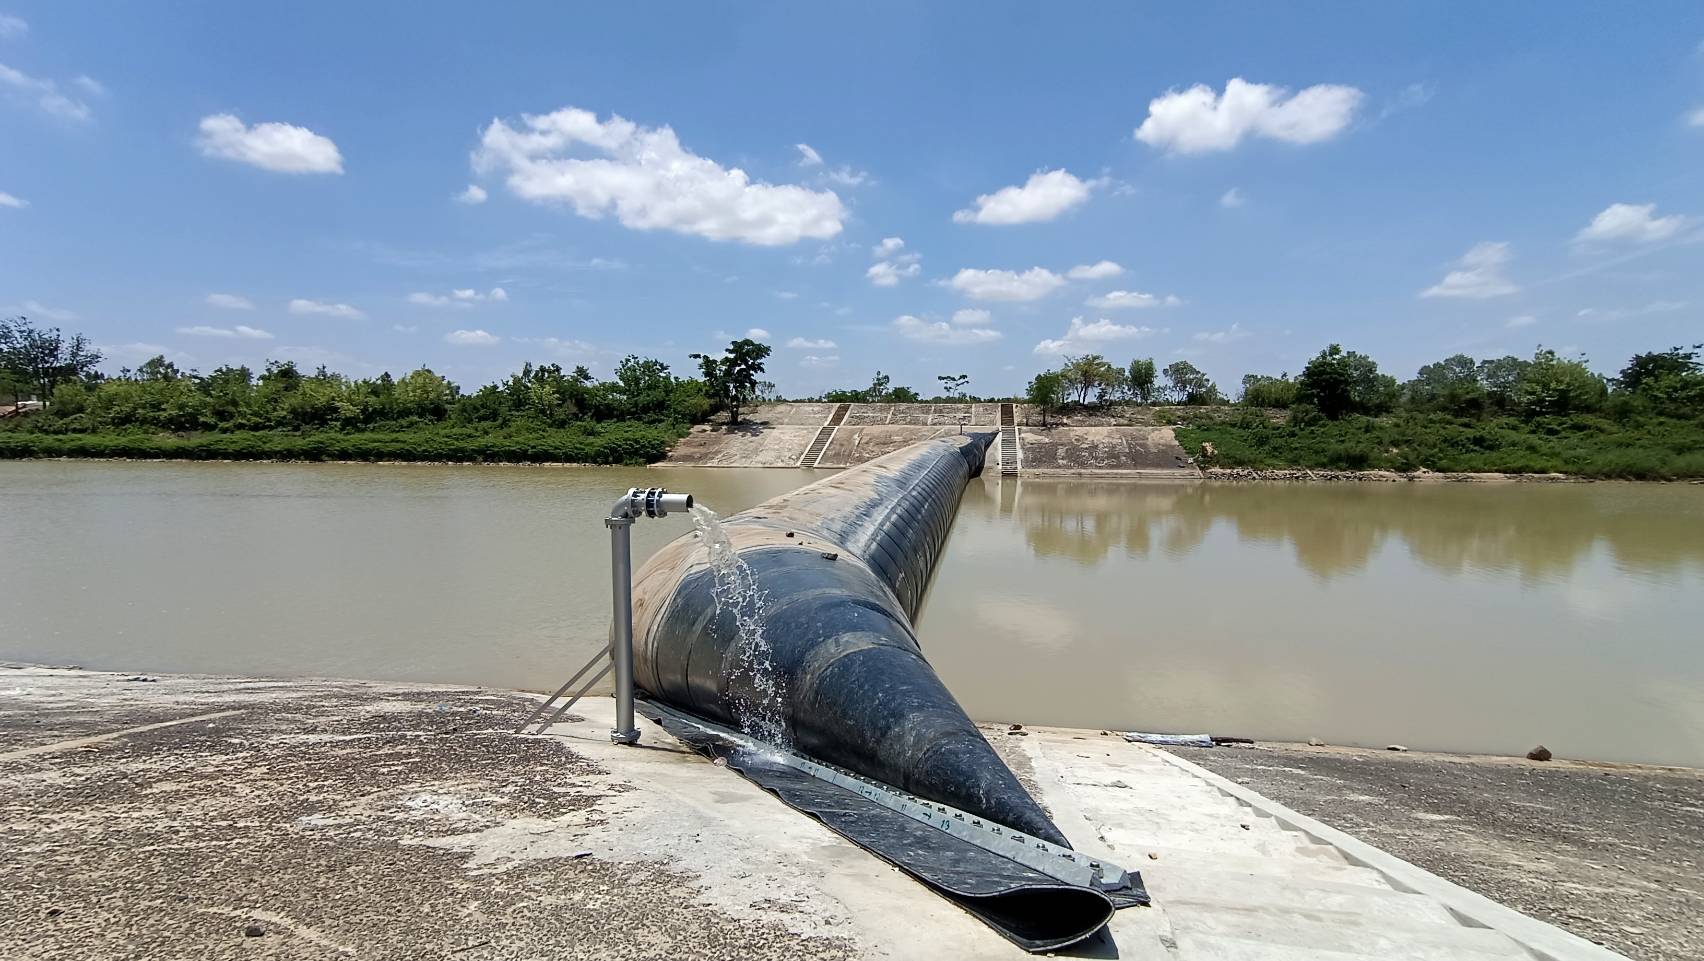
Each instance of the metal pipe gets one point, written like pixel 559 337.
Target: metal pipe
pixel 621 581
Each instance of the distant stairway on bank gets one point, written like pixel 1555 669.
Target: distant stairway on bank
pixel 1010 453
pixel 819 443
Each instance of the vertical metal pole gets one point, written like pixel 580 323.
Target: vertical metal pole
pixel 621 581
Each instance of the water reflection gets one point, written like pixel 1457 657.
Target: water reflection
pixel 1541 532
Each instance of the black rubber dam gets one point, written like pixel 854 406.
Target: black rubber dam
pixel 808 643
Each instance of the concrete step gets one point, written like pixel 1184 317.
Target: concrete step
pixel 1344 931
pixel 1214 888
pixel 1208 948
pixel 1131 842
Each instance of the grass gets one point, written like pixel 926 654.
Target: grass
pixel 608 443
pixel 1587 446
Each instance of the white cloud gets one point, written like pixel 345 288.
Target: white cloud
pixel 12 27
pixel 560 346
pixel 888 273
pixel 814 361
pixel 1634 223
pixel 1097 271
pixel 35 308
pixel 1033 284
pixel 939 332
pixel 1228 335
pixel 248 333
pixel 1478 274
pixel 45 93
pixel 803 343
pixel 1198 120
pixel 757 333
pixel 786 295
pixel 808 157
pixel 304 306
pixel 649 181
pixel 460 297
pixel 1046 195
pixel 1622 313
pixel 471 338
pixel 847 177
pixel 278 147
pixel 405 328
pixel 474 194
pixel 1232 198
pixel 1080 336
pixel 972 317
pixel 229 302
pixel 1524 320
pixel 89 85
pixel 8 200
pixel 888 247
pixel 1695 118
pixel 1131 300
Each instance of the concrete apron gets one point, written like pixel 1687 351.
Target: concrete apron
pixel 1233 874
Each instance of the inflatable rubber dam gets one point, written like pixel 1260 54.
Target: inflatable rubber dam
pixel 780 640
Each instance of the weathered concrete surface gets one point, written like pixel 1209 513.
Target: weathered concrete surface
pixel 1613 853
pixel 1089 450
pixel 1119 441
pixel 346 819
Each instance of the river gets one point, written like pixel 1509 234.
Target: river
pixel 1462 617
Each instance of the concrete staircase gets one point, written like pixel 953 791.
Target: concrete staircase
pixel 1010 453
pixel 813 454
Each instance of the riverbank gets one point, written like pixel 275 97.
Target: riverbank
pixel 1612 852
pixel 189 816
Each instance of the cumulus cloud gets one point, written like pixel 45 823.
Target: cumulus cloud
pixel 1131 300
pixel 1006 285
pixel 888 273
pixel 304 306
pixel 471 338
pixel 1479 274
pixel 808 157
pixel 1232 198
pixel 8 200
pixel 940 332
pixel 972 317
pixel 248 333
pixel 648 181
pixel 460 297
pixel 1044 196
pixel 757 333
pixel 35 308
pixel 1695 118
pixel 229 302
pixel 279 147
pixel 1632 223
pixel 474 194
pixel 805 343
pixel 1228 335
pixel 888 247
pixel 564 347
pixel 12 27
pixel 406 328
pixel 819 362
pixel 1080 337
pixel 845 176
pixel 1199 120
pixel 44 93
pixel 1096 271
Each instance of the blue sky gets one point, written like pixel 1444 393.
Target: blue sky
pixel 1232 184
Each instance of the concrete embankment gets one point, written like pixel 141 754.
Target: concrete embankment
pixel 844 435
pixel 204 817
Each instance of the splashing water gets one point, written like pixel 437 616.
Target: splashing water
pixel 737 593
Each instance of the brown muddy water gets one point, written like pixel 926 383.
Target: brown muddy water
pixel 1462 617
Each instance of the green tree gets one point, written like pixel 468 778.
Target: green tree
pixel 43 358
pixel 953 384
pixel 1046 392
pixel 878 389
pixel 1553 385
pixel 731 379
pixel 1262 390
pixel 1188 385
pixel 1645 368
pixel 423 394
pixel 1089 374
pixel 1499 377
pixel 903 395
pixel 1340 382
pixel 1140 378
pixel 644 386
pixel 1451 384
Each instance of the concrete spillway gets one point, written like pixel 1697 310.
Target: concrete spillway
pixel 842 566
